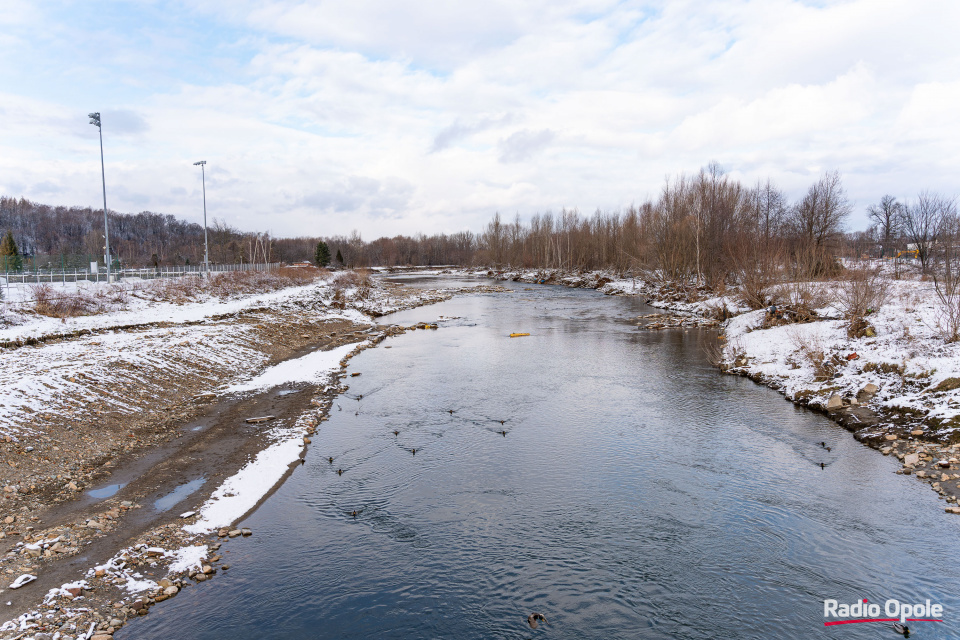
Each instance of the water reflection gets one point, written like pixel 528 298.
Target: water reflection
pixel 637 493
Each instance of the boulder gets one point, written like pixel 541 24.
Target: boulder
pixel 835 402
pixel 911 458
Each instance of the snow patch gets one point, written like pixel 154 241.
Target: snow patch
pixel 312 367
pixel 241 492
pixel 186 558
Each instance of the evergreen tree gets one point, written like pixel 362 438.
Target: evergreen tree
pixel 322 254
pixel 339 256
pixel 10 259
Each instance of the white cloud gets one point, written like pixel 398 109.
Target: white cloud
pixel 418 116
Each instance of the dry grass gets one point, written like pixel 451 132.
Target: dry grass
pixel 358 280
pixel 49 301
pixel 800 300
pixel 811 350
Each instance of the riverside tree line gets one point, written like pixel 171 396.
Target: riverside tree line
pixel 705 229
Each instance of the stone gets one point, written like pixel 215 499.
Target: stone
pixel 102 636
pixel 944 477
pixel 172 590
pixel 165 582
pixel 200 577
pixel 891 436
pixel 207 569
pixel 234 533
pixel 306 440
pixel 100 573
pixel 911 458
pixel 137 605
pixel 72 486
pixel 116 622
pixel 952 510
pixel 917 432
pixel 835 402
pixel 9 519
pixel 870 388
pixel 225 567
pixel 921 474
pixel 246 532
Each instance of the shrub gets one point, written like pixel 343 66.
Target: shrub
pixel 862 292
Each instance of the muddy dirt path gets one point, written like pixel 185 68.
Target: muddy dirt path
pixel 211 445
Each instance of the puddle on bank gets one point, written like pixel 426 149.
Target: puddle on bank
pixel 105 492
pixel 178 494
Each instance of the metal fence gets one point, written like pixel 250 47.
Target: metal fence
pixel 51 276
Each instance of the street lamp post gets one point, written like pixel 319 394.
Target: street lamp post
pixel 206 247
pixel 95 120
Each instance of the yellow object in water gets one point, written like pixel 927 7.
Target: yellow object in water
pixel 518 335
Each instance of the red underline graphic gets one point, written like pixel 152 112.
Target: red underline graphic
pixel 830 624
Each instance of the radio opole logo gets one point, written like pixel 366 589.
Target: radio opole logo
pixel 892 610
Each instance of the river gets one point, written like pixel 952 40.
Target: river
pixel 637 493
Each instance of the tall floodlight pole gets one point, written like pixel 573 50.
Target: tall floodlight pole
pixel 95 120
pixel 206 248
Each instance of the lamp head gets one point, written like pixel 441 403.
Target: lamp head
pixel 199 163
pixel 94 118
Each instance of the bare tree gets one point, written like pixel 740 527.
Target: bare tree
pixel 887 217
pixel 923 223
pixel 816 222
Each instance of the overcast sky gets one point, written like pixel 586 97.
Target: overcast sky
pixel 405 116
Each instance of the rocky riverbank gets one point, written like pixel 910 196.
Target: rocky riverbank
pixel 108 475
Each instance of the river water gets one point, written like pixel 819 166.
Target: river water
pixel 637 493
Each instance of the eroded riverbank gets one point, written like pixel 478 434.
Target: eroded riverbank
pixel 130 475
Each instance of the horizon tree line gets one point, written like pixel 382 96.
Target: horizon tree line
pixel 706 229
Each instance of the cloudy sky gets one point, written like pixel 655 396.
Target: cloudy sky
pixel 405 116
